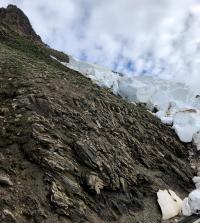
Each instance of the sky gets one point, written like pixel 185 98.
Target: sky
pixel 136 37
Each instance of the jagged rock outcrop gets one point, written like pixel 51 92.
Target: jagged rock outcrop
pixel 75 152
pixel 17 21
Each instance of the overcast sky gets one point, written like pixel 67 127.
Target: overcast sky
pixel 159 37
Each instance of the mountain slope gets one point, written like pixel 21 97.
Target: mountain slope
pixel 73 151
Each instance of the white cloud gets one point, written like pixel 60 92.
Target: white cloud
pixel 160 37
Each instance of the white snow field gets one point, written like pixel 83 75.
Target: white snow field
pixel 176 104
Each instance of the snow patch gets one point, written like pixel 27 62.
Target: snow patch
pixel 170 203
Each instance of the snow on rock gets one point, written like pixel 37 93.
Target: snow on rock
pixel 176 104
pixel 170 204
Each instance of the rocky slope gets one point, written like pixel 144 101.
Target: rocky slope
pixel 71 151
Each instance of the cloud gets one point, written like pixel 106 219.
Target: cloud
pixel 138 37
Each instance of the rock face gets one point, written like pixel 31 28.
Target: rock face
pixel 75 152
pixel 17 21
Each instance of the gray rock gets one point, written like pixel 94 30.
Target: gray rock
pixel 8 217
pixel 5 180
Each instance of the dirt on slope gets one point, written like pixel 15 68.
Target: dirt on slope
pixel 73 152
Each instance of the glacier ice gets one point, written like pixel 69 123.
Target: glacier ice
pixel 191 204
pixel 186 210
pixel 186 124
pixel 102 76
